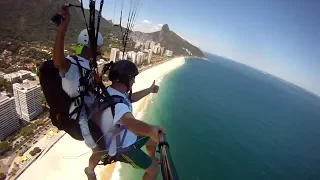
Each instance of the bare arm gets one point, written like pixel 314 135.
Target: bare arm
pixel 141 128
pixel 136 126
pixel 59 60
pixel 139 95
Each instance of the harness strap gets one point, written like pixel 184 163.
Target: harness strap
pixel 95 113
pixel 76 110
pixel 126 149
pixel 124 135
pixel 112 159
pixel 82 91
pixel 118 157
pixel 116 130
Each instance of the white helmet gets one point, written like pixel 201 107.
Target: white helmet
pixel 84 38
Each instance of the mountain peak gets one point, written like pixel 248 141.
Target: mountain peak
pixel 169 40
pixel 165 28
pixel 164 31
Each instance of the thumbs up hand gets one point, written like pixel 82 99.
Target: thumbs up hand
pixel 154 88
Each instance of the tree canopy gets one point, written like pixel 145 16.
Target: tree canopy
pixel 4 146
pixel 5 85
pixel 28 130
pixel 43 99
pixel 2 175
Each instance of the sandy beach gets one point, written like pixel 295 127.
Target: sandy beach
pixel 67 158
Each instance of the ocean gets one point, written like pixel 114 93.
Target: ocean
pixel 227 121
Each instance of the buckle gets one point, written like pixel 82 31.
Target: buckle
pixel 81 88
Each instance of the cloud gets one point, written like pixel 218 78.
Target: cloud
pixel 157 27
pixel 147 26
pixel 147 21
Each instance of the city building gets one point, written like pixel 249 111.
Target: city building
pixel 21 74
pixel 156 48
pixel 147 45
pixel 140 57
pixel 149 55
pixel 168 53
pixel 27 99
pixel 113 54
pixel 152 44
pixel 134 57
pixel 125 57
pixel 100 65
pixel 131 55
pixel 120 56
pixel 162 51
pixel 137 44
pixel 9 121
pixel 153 49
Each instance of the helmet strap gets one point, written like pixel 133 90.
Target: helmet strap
pixel 129 89
pixel 79 49
pixel 130 95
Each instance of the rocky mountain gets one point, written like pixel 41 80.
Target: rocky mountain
pixel 27 33
pixel 170 40
pixel 28 24
pixel 29 21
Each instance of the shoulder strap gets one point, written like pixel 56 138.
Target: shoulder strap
pixel 116 129
pixel 78 64
pixel 82 89
pixel 120 99
pixel 117 99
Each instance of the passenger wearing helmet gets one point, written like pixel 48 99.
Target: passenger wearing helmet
pixel 122 74
pixel 69 72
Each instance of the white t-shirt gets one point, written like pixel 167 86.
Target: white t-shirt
pixel 70 84
pixel 70 81
pixel 108 121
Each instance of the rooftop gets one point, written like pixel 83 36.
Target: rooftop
pixel 4 98
pixel 18 73
pixel 26 85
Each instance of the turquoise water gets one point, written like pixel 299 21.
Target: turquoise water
pixel 228 121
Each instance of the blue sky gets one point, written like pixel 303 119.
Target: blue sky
pixel 281 37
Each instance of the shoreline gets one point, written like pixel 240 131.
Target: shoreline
pixel 39 156
pixel 67 158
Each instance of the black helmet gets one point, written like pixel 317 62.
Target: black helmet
pixel 123 71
